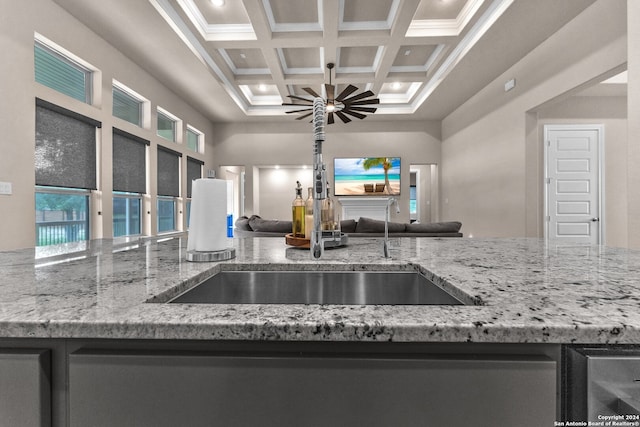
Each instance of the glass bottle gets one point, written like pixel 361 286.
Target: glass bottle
pixel 308 214
pixel 327 213
pixel 297 208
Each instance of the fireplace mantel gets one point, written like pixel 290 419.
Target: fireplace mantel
pixel 363 206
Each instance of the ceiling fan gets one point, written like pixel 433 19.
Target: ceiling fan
pixel 341 105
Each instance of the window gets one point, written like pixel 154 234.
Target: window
pixel 65 169
pixel 193 139
pixel 126 106
pixel 65 154
pixel 129 182
pixel 127 218
pixel 61 73
pixel 61 215
pixel 168 188
pixel 188 210
pixel 194 171
pixel 413 206
pixel 167 126
pixel 166 214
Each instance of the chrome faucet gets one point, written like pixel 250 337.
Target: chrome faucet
pixel 316 243
pixel 385 245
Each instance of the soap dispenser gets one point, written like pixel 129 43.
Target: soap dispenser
pixel 298 210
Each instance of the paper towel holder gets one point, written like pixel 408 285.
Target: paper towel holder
pixel 222 255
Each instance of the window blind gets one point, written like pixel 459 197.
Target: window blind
pixel 168 172
pixel 127 107
pixel 129 162
pixel 194 171
pixel 60 73
pixel 65 154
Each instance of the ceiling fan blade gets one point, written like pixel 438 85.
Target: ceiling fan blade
pixel 304 115
pixel 331 89
pixel 354 114
pixel 364 102
pixel 344 118
pixel 346 92
pixel 311 92
pixel 297 111
pixel 330 119
pixel 358 96
pixel 297 105
pixel 300 98
pixel 363 109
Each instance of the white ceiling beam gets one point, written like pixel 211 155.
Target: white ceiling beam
pixel 262 28
pixel 405 14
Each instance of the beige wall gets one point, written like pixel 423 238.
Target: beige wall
pixel 633 158
pixel 258 145
pixel 17 108
pixel 491 166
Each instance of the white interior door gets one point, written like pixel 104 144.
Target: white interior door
pixel 573 183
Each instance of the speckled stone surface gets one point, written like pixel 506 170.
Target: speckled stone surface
pixel 523 291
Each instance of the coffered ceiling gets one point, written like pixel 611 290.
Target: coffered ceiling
pixel 417 56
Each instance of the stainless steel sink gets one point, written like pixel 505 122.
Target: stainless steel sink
pixel 317 287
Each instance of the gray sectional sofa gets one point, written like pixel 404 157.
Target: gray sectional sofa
pixel 255 226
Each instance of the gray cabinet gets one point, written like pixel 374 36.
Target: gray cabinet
pixel 137 388
pixel 25 387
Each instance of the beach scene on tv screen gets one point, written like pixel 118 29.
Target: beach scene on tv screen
pixel 366 176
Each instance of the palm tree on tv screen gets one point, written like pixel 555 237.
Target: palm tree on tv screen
pixel 385 162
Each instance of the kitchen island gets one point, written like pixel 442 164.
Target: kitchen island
pixel 79 306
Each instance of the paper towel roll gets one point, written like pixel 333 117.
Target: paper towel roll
pixel 208 217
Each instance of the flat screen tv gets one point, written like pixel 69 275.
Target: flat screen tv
pixel 366 176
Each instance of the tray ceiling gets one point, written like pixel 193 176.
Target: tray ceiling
pixel 240 61
pixel 263 50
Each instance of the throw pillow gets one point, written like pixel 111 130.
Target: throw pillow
pixel 368 225
pixel 270 225
pixel 348 225
pixel 242 223
pixel 435 227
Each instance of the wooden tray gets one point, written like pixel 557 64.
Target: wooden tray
pixel 298 242
pixel 303 243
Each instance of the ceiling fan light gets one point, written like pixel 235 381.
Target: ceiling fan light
pixel 331 107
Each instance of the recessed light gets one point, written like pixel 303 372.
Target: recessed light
pixel 396 85
pixel 217 3
pixel 243 55
pixel 407 52
pixel 262 87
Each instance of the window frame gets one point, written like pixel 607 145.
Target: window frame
pixel 128 196
pixel 141 101
pixel 199 139
pixel 67 58
pixel 174 200
pixel 40 189
pixel 169 117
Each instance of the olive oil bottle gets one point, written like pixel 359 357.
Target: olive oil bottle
pixel 327 214
pixel 308 214
pixel 298 209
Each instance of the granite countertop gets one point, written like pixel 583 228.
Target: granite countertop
pixel 524 291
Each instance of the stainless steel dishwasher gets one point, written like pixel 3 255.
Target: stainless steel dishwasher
pixel 602 384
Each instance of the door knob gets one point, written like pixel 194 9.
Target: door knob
pixel 595 219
